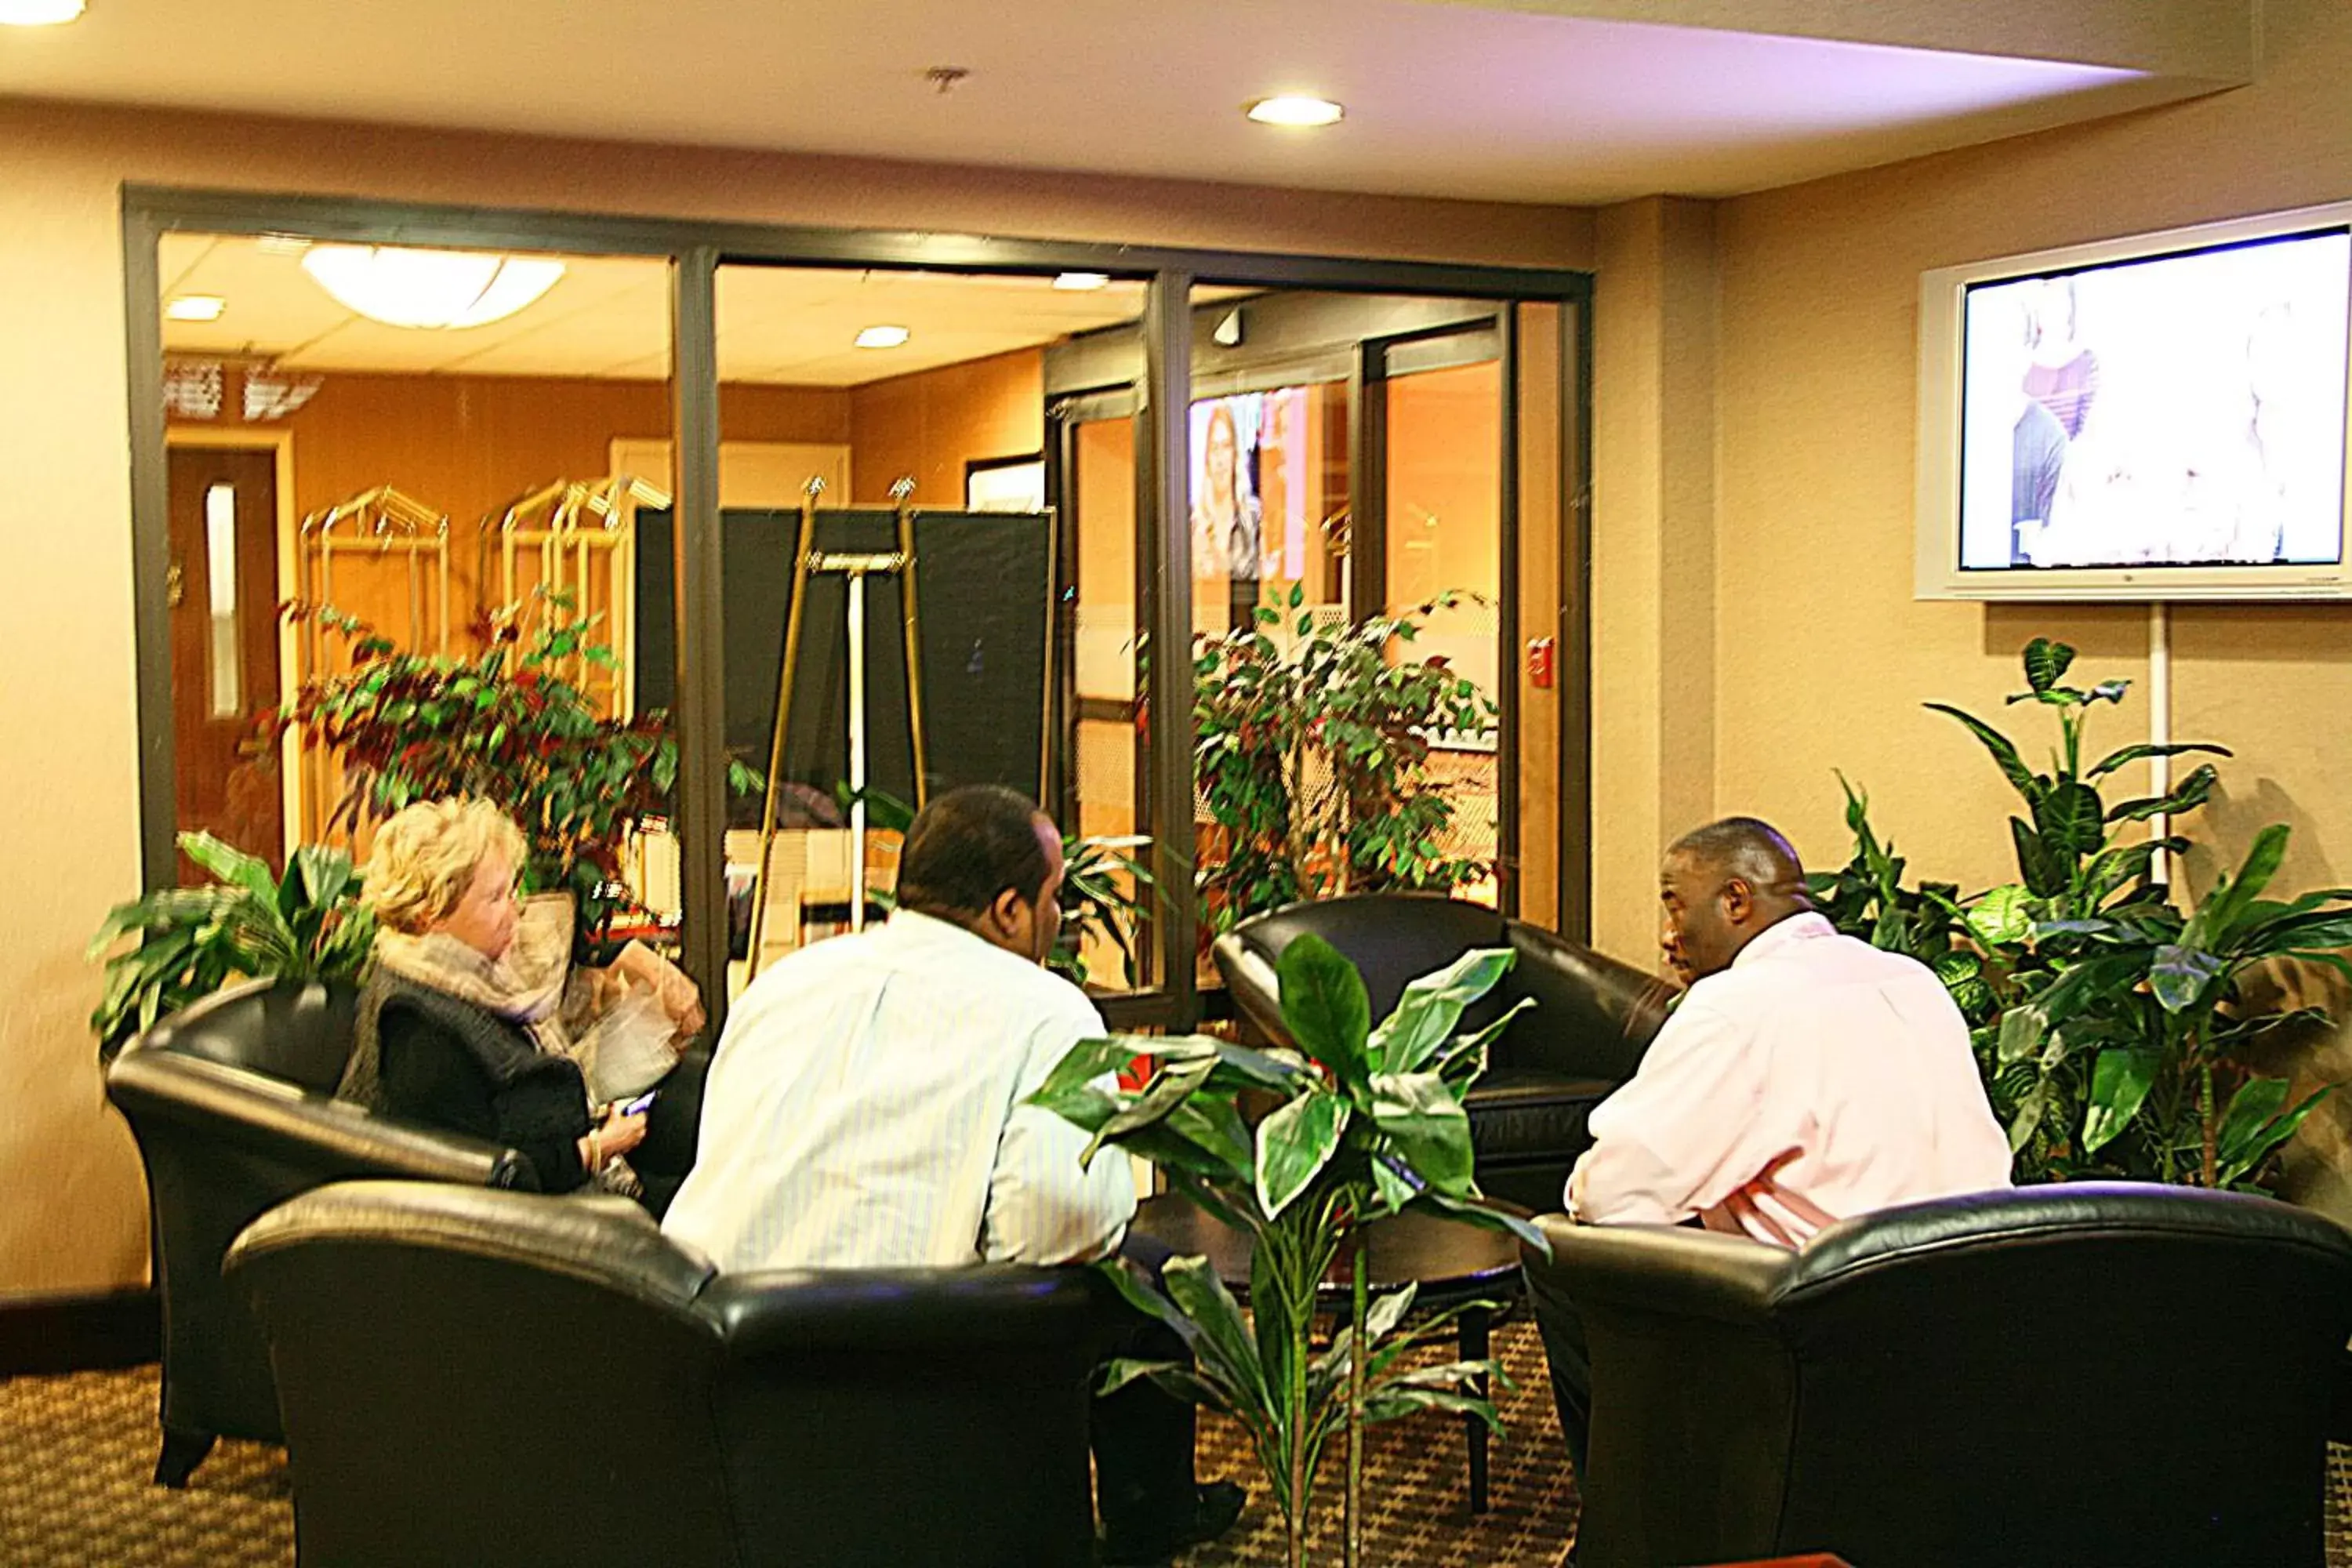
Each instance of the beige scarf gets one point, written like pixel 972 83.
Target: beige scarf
pixel 525 985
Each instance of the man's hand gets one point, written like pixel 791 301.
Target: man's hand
pixel 1744 1212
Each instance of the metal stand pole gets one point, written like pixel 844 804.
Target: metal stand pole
pixel 804 558
pixel 857 751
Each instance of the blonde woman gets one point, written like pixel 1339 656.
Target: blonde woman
pixel 458 1024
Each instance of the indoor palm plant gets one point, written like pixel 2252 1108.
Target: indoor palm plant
pixel 249 923
pixel 2113 1030
pixel 1299 1148
pixel 1311 759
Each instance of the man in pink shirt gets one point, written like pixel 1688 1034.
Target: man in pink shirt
pixel 1804 1077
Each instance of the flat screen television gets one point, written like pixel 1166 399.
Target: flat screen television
pixel 2158 417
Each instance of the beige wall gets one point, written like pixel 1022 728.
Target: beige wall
pixel 74 1215
pixel 1823 656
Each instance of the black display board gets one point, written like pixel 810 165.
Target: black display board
pixel 983 590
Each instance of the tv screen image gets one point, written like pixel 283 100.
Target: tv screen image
pixel 2154 416
pixel 2184 409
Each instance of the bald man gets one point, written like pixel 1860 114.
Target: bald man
pixel 1805 1076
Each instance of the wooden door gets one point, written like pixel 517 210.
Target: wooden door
pixel 223 592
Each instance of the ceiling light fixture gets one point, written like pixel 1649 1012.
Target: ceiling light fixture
pixel 1077 282
pixel 1295 108
pixel 196 308
pixel 39 13
pixel 883 337
pixel 429 289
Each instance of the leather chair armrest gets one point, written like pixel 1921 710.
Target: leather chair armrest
pixel 792 1312
pixel 254 1111
pixel 1250 980
pixel 1663 1271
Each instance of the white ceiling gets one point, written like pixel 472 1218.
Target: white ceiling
pixel 610 317
pixel 1508 99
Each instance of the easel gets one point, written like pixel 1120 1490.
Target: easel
pixel 808 562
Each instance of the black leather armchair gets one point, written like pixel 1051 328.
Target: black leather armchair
pixel 480 1376
pixel 1593 1017
pixel 232 1104
pixel 2061 1376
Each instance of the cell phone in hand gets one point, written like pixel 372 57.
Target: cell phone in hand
pixel 640 1104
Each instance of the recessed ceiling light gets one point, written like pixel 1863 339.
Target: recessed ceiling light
pixel 282 243
pixel 1295 108
pixel 39 13
pixel 196 308
pixel 882 337
pixel 1082 280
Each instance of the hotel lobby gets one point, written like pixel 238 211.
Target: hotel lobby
pixel 1606 378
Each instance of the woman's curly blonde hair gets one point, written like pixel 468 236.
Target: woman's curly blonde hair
pixel 425 857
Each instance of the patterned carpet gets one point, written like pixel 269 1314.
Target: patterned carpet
pixel 74 1487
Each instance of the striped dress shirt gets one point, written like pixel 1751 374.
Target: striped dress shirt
pixel 863 1110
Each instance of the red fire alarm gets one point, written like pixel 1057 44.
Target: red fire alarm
pixel 1540 662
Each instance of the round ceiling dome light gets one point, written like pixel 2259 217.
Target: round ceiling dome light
pixel 882 337
pixel 1295 108
pixel 445 289
pixel 39 13
pixel 1081 283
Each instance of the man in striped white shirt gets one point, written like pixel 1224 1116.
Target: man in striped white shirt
pixel 864 1110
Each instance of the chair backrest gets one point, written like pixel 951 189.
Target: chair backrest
pixel 472 1375
pixel 1594 1017
pixel 230 1103
pixel 2054 1375
pixel 297 1030
pixel 2115 1372
pixel 1391 938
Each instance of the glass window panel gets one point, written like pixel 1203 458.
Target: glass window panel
pixel 1020 666
pixel 220 594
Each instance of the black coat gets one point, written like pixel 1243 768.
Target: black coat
pixel 451 1064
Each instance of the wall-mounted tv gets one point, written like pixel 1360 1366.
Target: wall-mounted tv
pixel 2158 417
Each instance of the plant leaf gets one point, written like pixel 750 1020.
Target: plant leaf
pixel 1223 1341
pixel 2004 753
pixel 1169 1088
pixel 2046 662
pixel 2002 918
pixel 2181 974
pixel 2130 754
pixel 1325 1007
pixel 2119 1085
pixel 2070 820
pixel 1428 1126
pixel 1295 1143
pixel 2187 795
pixel 2247 1135
pixel 1432 1004
pixel 231 865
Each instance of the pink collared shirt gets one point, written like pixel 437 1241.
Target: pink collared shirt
pixel 1816 1078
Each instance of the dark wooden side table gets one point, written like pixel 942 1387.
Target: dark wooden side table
pixel 1449 1262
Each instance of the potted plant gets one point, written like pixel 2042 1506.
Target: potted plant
pixel 1311 759
pixel 1300 1149
pixel 504 725
pixel 251 923
pixel 2114 1031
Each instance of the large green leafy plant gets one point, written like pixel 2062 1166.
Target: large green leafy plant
pixel 1311 758
pixel 2114 1031
pixel 251 922
pixel 1300 1148
pixel 506 726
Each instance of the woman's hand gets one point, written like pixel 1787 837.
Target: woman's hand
pixel 614 1137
